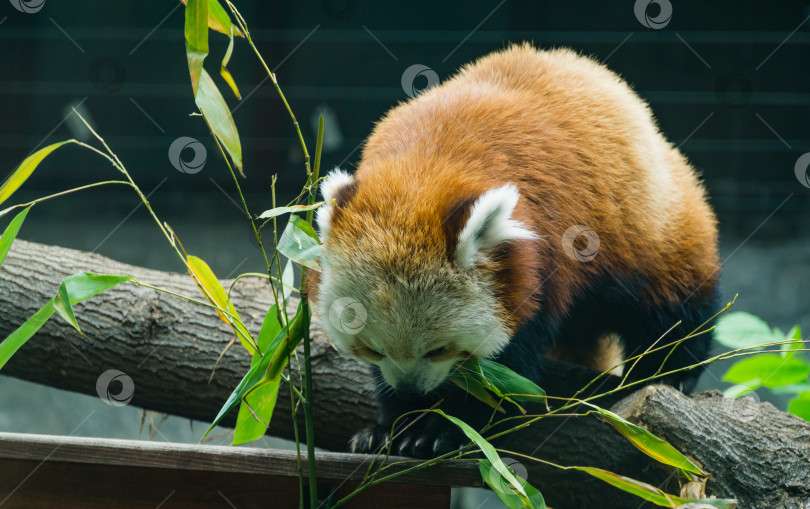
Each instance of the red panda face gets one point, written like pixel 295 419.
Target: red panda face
pixel 411 310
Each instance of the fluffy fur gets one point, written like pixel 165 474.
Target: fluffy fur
pixel 454 237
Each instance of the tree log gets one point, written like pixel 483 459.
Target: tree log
pixel 169 347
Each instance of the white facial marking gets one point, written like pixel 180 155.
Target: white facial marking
pixel 404 318
pixel 490 224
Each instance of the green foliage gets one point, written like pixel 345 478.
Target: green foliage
pixel 785 372
pixel 506 492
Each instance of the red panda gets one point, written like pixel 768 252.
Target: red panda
pixel 527 207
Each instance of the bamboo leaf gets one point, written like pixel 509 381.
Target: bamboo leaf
pixel 649 492
pixel 649 444
pixel 800 406
pixel 491 454
pixel 16 339
pixel 10 234
pixel 505 493
pixel 508 382
pixel 262 398
pixel 299 242
pixel 196 33
pixel 73 289
pixel 743 330
pixel 218 19
pixel 61 304
pixel 223 70
pixel 218 115
pixel 26 168
pixel 772 369
pixel 272 362
pixel 278 211
pixel 217 296
pixel 84 285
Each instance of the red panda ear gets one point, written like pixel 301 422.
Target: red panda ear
pixel 338 186
pixel 490 224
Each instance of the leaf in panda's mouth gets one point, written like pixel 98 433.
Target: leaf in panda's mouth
pixel 490 382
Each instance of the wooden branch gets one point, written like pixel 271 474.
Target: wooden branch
pixel 169 346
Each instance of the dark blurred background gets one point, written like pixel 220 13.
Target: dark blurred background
pixel 728 81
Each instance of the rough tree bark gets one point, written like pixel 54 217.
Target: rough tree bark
pixel 169 346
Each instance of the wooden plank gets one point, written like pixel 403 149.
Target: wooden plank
pixel 220 459
pixel 31 484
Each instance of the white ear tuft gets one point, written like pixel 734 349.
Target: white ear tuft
pixel 490 225
pixel 329 187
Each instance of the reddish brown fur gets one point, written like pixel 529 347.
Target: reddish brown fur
pixel 531 118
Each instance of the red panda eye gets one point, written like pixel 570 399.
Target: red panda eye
pixel 435 352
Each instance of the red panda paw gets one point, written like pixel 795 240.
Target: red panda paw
pixel 420 440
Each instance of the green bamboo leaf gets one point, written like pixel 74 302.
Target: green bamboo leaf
pixel 26 168
pixel 788 348
pixel 648 443
pixel 16 339
pixel 468 377
pixel 219 20
pixel 743 330
pixel 217 295
pixel 800 406
pixel 512 500
pixel 287 281
pixel 299 242
pixel 649 492
pixel 61 304
pixel 84 285
pixel 269 368
pixel 772 369
pixel 218 115
pixel 72 290
pixel 223 70
pixel 262 398
pixel 196 33
pixel 792 388
pixel 491 454
pixel 10 234
pixel 508 382
pixel 278 211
